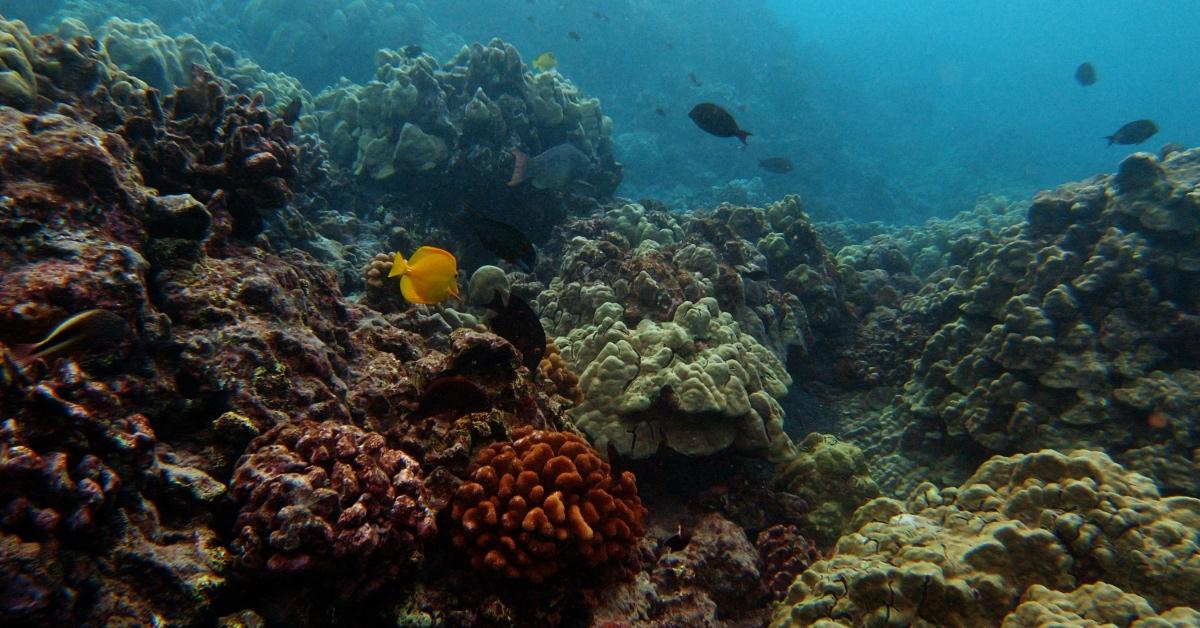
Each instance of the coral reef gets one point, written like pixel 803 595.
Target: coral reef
pixel 966 555
pixel 1078 327
pixel 832 476
pixel 784 554
pixel 1093 604
pixel 696 384
pixel 543 503
pixel 449 127
pixel 319 496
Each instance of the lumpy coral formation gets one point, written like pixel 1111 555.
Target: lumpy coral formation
pixel 966 555
pixel 1080 326
pixel 697 384
pixel 832 476
pixel 543 503
pixel 325 495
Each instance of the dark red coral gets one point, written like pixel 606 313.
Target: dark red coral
pixel 329 496
pixel 785 554
pixel 220 149
pixel 543 503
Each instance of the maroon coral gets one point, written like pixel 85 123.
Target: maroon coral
pixel 785 554
pixel 312 493
pixel 542 503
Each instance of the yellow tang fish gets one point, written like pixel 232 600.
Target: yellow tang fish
pixel 429 276
pixel 545 61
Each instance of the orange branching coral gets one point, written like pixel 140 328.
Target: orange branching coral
pixel 544 502
pixel 562 380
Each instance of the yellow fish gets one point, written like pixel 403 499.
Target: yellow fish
pixel 429 276
pixel 545 61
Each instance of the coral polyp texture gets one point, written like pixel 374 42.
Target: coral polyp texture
pixel 965 556
pixel 696 384
pixel 325 495
pixel 545 503
pixel 1081 327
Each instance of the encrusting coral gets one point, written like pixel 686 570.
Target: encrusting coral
pixel 832 477
pixel 697 384
pixel 329 496
pixel 965 556
pixel 543 503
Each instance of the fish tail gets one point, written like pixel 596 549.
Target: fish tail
pixel 399 265
pixel 520 160
pixel 742 135
pixel 1110 138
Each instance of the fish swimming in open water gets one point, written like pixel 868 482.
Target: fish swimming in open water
pixel 545 62
pixel 1085 74
pixel 1135 132
pixel 89 331
pixel 716 120
pixel 429 276
pixel 503 239
pixel 554 169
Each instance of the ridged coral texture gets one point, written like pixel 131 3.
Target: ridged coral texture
pixel 544 502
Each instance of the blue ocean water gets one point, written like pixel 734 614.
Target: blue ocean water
pixel 889 110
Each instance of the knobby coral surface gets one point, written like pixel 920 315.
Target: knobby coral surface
pixel 543 503
pixel 325 495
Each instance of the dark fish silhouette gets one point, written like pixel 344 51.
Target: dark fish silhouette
pixel 517 323
pixel 692 77
pixel 574 35
pixel 600 16
pixel 1085 74
pixel 660 111
pixel 778 165
pixel 90 331
pixel 1135 132
pixel 503 239
pixel 291 112
pixel 554 169
pixel 715 120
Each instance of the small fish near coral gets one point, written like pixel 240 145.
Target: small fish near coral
pixel 430 276
pixel 545 62
pixel 88 332
pixel 555 169
pixel 1085 74
pixel 504 240
pixel 778 165
pixel 715 120
pixel 1135 132
pixel 516 322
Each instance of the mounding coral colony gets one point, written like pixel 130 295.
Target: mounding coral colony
pixel 735 416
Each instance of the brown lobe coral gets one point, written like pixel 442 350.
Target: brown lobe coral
pixel 542 503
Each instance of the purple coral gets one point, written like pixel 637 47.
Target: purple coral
pixel 312 493
pixel 785 554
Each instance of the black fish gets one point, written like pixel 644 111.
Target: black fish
pixel 291 112
pixel 517 323
pixel 715 120
pixel 778 165
pixel 660 111
pixel 503 239
pixel 692 76
pixel 574 35
pixel 1085 74
pixel 1135 132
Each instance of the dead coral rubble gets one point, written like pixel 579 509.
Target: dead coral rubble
pixel 543 503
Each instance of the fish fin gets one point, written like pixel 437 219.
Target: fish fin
pixel 520 161
pixel 399 266
pixel 409 291
pixel 742 135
